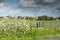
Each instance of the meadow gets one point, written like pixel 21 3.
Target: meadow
pixel 19 29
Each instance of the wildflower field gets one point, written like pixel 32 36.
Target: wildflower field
pixel 17 29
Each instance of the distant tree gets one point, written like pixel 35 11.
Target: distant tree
pixel 19 17
pixel 44 17
pixel 58 17
pixel 30 18
pixel 10 17
pixel 1 18
pixel 51 18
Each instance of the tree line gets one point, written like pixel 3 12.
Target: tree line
pixel 44 17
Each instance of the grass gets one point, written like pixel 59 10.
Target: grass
pixel 33 34
pixel 17 29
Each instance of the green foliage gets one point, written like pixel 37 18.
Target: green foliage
pixel 44 17
pixel 30 18
pixel 18 29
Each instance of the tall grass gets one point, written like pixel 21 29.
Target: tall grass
pixel 17 29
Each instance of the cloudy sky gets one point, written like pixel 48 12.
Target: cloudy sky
pixel 30 7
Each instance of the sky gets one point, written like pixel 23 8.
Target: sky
pixel 30 7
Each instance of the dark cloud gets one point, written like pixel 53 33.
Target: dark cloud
pixel 58 9
pixel 49 1
pixel 37 3
pixel 2 1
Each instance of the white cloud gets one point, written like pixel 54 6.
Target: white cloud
pixel 11 10
pixel 7 10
